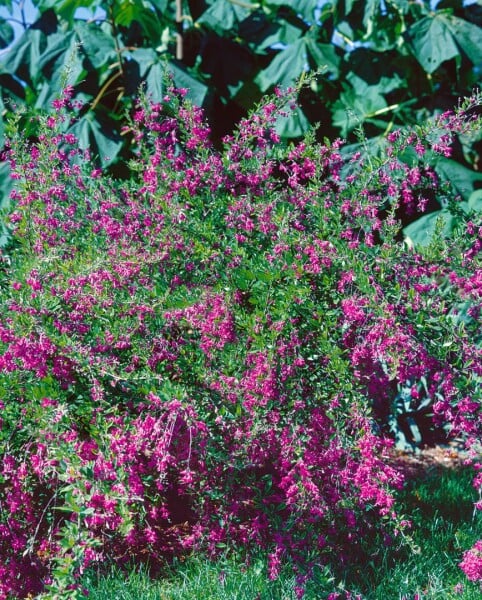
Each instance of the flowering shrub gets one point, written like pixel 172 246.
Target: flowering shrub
pixel 472 562
pixel 205 352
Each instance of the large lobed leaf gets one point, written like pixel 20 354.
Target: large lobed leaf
pixel 441 37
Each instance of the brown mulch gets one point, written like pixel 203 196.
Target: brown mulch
pixel 429 460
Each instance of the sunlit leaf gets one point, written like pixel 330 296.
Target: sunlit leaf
pixel 145 57
pixel 262 34
pixel 61 65
pixel 155 82
pixel 57 45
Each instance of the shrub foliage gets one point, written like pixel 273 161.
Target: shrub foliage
pixel 386 64
pixel 207 352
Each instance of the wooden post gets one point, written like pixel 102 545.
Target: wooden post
pixel 179 37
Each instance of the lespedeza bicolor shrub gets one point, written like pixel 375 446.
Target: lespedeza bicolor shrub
pixel 205 353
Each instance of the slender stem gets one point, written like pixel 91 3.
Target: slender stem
pixel 104 88
pixel 115 33
pixel 14 20
pixel 382 111
pixel 21 6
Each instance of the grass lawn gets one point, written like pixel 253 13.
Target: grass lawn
pixel 440 505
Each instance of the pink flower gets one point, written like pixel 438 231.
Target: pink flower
pixel 471 563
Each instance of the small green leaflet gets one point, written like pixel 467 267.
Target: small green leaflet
pixel 127 11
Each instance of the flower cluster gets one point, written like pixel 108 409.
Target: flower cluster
pixel 472 562
pixel 203 353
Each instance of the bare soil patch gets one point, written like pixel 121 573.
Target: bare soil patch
pixel 430 460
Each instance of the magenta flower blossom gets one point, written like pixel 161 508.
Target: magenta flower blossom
pixel 471 563
pixel 204 354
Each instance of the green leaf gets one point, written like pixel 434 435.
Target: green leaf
pixel 5 187
pixel 154 82
pixel 145 58
pixel 274 33
pixel 324 55
pixel 2 127
pixel 421 232
pixel 475 201
pixel 295 125
pixel 97 45
pixel 349 6
pixel 22 58
pixel 128 11
pixel 197 91
pixel 372 9
pixel 96 133
pixel 161 5
pixel 461 178
pixel 67 8
pixel 223 16
pixel 305 8
pixel 6 33
pixel 57 45
pixel 61 65
pixel 432 42
pixel 467 35
pixel 285 68
pixel 357 103
pixel 383 29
